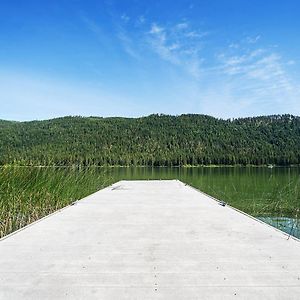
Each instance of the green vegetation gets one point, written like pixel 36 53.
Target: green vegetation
pixel 256 191
pixel 28 194
pixel 156 140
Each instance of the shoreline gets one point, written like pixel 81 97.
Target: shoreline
pixel 152 167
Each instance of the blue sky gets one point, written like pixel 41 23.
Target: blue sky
pixel 225 58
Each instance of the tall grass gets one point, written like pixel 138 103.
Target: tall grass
pixel 257 191
pixel 270 195
pixel 27 194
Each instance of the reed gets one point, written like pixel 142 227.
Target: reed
pixel 28 194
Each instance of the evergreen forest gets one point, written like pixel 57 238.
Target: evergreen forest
pixel 155 140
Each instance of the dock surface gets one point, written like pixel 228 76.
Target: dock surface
pixel 149 240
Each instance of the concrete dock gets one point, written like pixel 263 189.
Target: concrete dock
pixel 149 240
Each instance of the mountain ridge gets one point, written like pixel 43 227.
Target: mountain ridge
pixel 154 140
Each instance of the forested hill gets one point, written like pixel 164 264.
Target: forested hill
pixel 154 140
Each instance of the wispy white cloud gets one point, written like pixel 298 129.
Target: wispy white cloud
pixel 261 77
pixel 160 45
pixel 179 45
pixel 253 39
pixel 234 45
pixel 266 68
pixel 155 29
pixel 291 62
pixel 91 24
pixel 140 20
pixel 96 30
pixel 251 78
pixel 195 34
pixel 182 25
pixel 125 18
pixel 128 44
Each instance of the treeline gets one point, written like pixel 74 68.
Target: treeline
pixel 156 140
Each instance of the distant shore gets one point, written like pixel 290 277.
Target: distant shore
pixel 138 166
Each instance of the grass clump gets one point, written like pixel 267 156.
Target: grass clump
pixel 28 194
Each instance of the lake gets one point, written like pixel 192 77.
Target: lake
pixel 270 194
